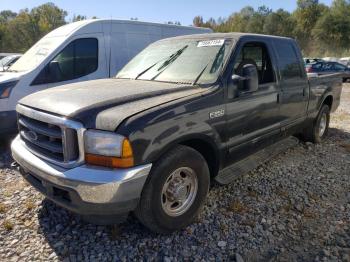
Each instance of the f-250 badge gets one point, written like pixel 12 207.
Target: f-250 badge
pixel 217 114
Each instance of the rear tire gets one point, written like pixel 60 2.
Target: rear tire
pixel 319 128
pixel 180 175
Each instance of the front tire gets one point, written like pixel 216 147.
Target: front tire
pixel 175 191
pixel 319 129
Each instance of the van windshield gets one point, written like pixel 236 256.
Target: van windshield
pixel 36 54
pixel 180 61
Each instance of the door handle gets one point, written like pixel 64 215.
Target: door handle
pixel 279 98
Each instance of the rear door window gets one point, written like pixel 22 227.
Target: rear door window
pixel 288 60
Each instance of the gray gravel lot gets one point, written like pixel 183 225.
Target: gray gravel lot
pixel 296 207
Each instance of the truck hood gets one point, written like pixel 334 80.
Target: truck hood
pixel 105 103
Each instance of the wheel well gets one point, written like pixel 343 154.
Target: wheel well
pixel 328 101
pixel 207 151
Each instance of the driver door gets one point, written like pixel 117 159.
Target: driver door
pixel 252 117
pixel 82 59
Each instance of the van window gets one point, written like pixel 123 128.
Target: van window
pixel 288 60
pixel 257 54
pixel 77 59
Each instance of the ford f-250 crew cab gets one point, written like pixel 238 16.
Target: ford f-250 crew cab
pixel 183 113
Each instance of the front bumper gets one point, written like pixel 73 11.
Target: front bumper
pixel 86 190
pixel 8 122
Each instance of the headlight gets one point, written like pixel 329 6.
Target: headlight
pixel 107 149
pixel 5 89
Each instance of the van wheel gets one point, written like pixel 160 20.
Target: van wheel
pixel 319 128
pixel 175 191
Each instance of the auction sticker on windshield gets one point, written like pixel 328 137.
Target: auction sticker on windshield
pixel 217 42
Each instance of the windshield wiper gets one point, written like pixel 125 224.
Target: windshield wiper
pixel 147 69
pixel 172 58
pixel 200 75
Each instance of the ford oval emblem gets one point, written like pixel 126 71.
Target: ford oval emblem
pixel 32 135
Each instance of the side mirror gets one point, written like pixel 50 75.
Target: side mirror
pixel 249 81
pixel 54 71
pixel 251 78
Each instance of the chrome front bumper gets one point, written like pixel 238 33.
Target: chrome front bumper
pixel 94 186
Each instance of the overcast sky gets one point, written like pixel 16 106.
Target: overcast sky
pixel 152 10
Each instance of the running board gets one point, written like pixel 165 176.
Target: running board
pixel 246 165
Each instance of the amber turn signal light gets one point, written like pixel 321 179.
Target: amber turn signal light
pixel 126 160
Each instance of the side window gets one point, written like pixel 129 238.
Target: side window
pixel 288 61
pixel 317 66
pixel 339 67
pixel 257 54
pixel 77 59
pixel 328 66
pixel 86 57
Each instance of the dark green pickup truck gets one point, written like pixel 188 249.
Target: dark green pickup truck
pixel 185 112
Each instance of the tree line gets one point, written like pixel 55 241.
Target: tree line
pixel 19 31
pixel 320 30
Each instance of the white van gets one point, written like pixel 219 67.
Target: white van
pixel 79 51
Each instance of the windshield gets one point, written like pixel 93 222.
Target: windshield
pixel 5 60
pixel 179 61
pixel 36 54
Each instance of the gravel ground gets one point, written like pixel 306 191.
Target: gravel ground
pixel 296 207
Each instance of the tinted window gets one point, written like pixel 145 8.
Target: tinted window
pixel 339 67
pixel 327 66
pixel 288 61
pixel 317 66
pixel 77 59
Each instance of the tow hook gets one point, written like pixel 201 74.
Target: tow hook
pixel 15 165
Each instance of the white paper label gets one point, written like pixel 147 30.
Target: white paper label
pixel 217 42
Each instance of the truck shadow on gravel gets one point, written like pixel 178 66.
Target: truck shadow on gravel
pixel 72 238
pixel 5 152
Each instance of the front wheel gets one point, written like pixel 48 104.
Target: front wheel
pixel 175 191
pixel 319 128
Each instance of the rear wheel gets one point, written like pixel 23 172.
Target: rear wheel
pixel 175 191
pixel 319 128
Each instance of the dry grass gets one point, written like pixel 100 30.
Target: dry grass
pixel 309 213
pixel 29 204
pixel 282 193
pixel 313 196
pixel 8 225
pixel 14 186
pixel 287 207
pixel 340 116
pixel 7 193
pixel 3 208
pixel 237 207
pixel 346 146
pixel 253 194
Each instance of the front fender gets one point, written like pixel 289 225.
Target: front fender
pixel 155 132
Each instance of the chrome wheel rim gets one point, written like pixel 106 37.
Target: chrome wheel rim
pixel 179 191
pixel 323 125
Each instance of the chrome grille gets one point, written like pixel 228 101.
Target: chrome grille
pixel 53 138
